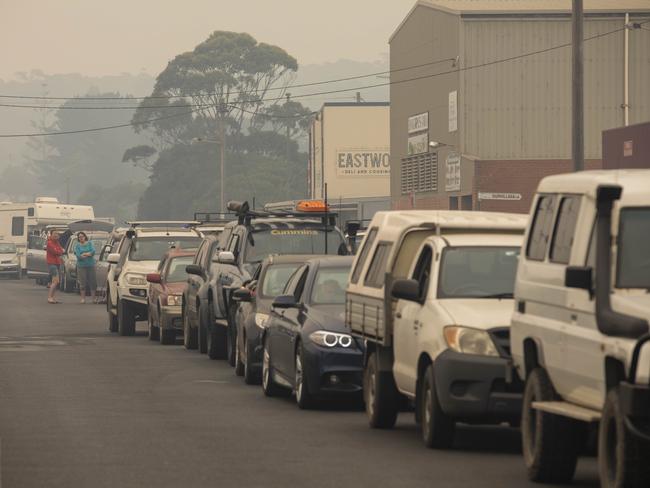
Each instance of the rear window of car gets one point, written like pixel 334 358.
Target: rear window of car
pixel 299 240
pixel 153 248
pixel 176 271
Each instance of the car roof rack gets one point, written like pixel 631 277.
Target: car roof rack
pixel 214 217
pixel 245 215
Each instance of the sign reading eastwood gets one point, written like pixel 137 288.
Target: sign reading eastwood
pixel 363 162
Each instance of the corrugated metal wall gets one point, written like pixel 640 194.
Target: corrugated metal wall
pixel 522 108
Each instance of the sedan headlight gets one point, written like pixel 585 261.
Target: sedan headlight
pixel 470 341
pixel 260 320
pixel 174 300
pixel 331 339
pixel 135 279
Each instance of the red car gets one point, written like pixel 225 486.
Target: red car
pixel 166 288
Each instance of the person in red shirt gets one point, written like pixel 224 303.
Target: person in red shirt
pixel 54 251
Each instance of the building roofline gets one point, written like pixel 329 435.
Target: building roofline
pixel 355 104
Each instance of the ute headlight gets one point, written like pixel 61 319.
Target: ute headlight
pixel 174 300
pixel 470 341
pixel 260 320
pixel 134 279
pixel 331 339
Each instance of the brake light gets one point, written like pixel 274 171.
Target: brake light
pixel 311 206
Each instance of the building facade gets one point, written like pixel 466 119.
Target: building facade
pixel 349 157
pixel 481 96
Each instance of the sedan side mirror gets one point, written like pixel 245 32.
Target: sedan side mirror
pixel 285 301
pixel 154 278
pixel 226 257
pixel 194 269
pixel 580 277
pixel 114 258
pixel 242 295
pixel 406 290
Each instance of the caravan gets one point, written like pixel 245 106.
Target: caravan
pixel 24 224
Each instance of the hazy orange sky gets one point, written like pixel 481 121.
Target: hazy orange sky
pixel 107 37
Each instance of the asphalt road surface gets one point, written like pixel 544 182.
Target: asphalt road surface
pixel 80 407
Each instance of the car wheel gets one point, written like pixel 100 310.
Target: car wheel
pixel 437 427
pixel 380 395
pixel 125 319
pixel 231 335
pixel 154 330
pixel 112 318
pixel 216 337
pixel 239 365
pixel 167 337
pixel 202 338
pixel 550 443
pixel 189 334
pixel 269 387
pixel 67 284
pixel 251 375
pixel 622 456
pixel 304 398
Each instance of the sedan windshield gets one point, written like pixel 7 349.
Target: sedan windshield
pixel 7 248
pixel 276 278
pixel 153 248
pixel 329 286
pixel 300 240
pixel 176 272
pixel 478 272
pixel 633 249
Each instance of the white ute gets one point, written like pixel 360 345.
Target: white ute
pixel 581 323
pixel 431 294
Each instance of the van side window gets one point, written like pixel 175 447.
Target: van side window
pixel 541 229
pixel 363 254
pixel 17 226
pixel 422 271
pixel 565 228
pixel 377 270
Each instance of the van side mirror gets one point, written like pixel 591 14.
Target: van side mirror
pixel 113 258
pixel 406 290
pixel 226 257
pixel 579 277
pixel 285 301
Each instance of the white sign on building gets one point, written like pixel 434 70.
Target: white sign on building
pixel 418 144
pixel 499 196
pixel 363 162
pixel 452 172
pixel 453 111
pixel 419 122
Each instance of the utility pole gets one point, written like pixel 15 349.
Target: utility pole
pixel 67 190
pixel 221 137
pixel 288 95
pixel 578 134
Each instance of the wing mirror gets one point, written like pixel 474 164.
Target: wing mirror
pixel 154 278
pixel 579 277
pixel 406 290
pixel 226 257
pixel 113 258
pixel 242 295
pixel 194 269
pixel 285 301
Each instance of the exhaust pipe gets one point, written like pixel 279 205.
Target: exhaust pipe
pixel 610 322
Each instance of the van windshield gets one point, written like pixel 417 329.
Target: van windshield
pixel 300 240
pixel 633 250
pixel 478 272
pixel 153 248
pixel 7 248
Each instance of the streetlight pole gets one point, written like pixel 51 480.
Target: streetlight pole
pixel 578 136
pixel 221 137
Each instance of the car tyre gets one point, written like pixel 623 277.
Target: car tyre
pixel 67 284
pixel 269 387
pixel 167 337
pixel 239 364
pixel 125 319
pixel 622 456
pixel 190 335
pixel 380 395
pixel 437 427
pixel 304 398
pixel 252 376
pixel 550 443
pixel 112 318
pixel 202 335
pixel 231 338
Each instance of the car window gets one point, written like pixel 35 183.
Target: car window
pixel 377 270
pixel 198 258
pixel 176 270
pixel 297 240
pixel 233 245
pixel 565 228
pixel 153 248
pixel 422 271
pixel 633 269
pixel 329 286
pixel 7 248
pixel 276 278
pixel 541 228
pixel 363 255
pixel 292 284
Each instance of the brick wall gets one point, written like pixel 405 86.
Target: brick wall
pixel 428 202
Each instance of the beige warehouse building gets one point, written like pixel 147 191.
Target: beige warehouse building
pixel 493 87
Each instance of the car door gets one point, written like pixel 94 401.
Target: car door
pixel 407 325
pixel 36 254
pixel 101 268
pixel 194 283
pixel 228 273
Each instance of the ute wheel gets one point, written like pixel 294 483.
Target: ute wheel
pixel 437 426
pixel 125 319
pixel 304 398
pixel 167 336
pixel 112 318
pixel 551 443
pixel 269 387
pixel 215 337
pixel 190 335
pixel 622 456
pixel 154 330
pixel 202 337
pixel 380 395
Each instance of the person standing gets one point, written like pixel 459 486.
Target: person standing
pixel 53 253
pixel 86 276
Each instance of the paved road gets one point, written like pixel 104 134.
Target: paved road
pixel 80 407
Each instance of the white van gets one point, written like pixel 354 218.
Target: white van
pixel 581 323
pixel 431 294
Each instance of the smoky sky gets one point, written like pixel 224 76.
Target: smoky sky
pixel 109 37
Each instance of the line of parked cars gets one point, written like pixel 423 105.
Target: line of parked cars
pixel 462 317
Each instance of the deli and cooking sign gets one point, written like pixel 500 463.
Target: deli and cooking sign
pixel 363 162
